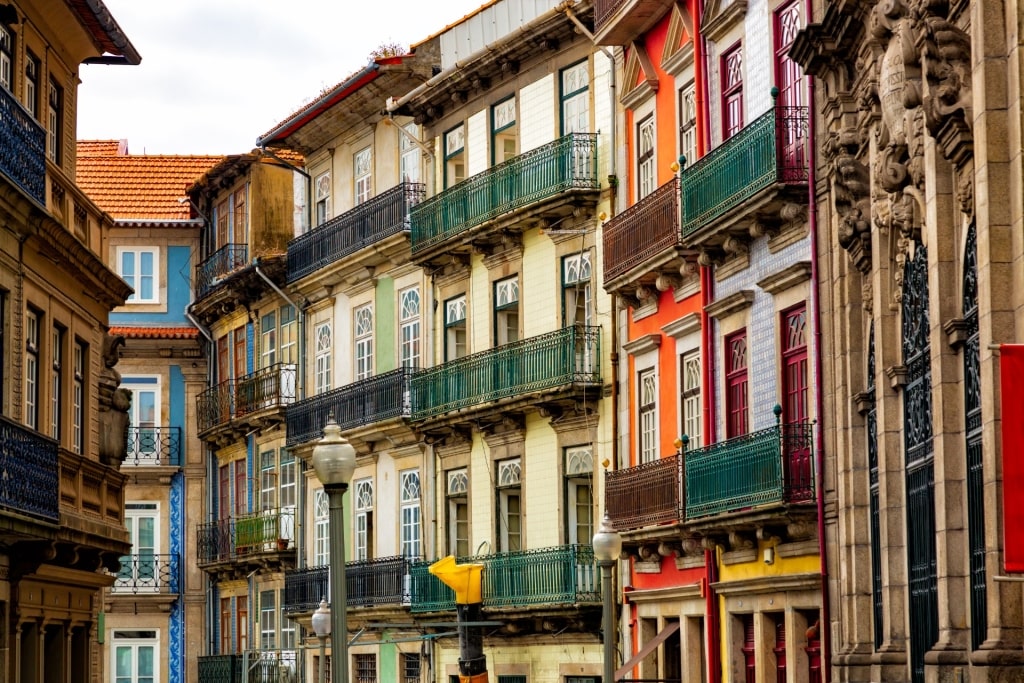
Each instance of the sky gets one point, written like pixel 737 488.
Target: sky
pixel 217 74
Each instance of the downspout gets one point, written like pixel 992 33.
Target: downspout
pixel 202 330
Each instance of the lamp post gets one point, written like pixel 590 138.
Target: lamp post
pixel 334 460
pixel 322 629
pixel 607 546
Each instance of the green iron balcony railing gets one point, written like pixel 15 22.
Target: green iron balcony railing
pixel 252 666
pixel 369 583
pixel 30 482
pixel 232 538
pixel 642 231
pixel 145 573
pixel 646 495
pixel 570 355
pixel 220 668
pixel 773 465
pixel 771 150
pixel 569 163
pixel 224 261
pixel 566 575
pixel 154 446
pixel 22 148
pixel 385 215
pixel 370 400
pixel 270 387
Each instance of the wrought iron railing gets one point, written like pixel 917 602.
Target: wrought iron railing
pixel 568 163
pixel 645 495
pixel 147 573
pixel 770 150
pixel 220 669
pixel 565 575
pixel 29 480
pixel 369 400
pixel 385 215
pixel 570 355
pixel 268 387
pixel 369 583
pixel 154 446
pixel 224 261
pixel 772 465
pixel 234 537
pixel 216 405
pixel 605 10
pixel 642 231
pixel 271 666
pixel 22 148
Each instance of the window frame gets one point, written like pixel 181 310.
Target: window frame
pixel 647 415
pixel 731 65
pixel 690 397
pixel 579 96
pixel 33 353
pixel 510 505
pixel 363 503
pixel 362 175
pixel 646 157
pixel 504 130
pixel 6 58
pixel 507 322
pixel 79 397
pixel 578 463
pixel 456 335
pixel 322 334
pixel 139 276
pixel 458 521
pixel 737 389
pixel 55 122
pixel 410 514
pixel 409 327
pixel 322 199
pixel 33 66
pixel 132 640
pixel 454 141
pixel 362 341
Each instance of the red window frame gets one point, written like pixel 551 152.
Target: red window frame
pixel 736 382
pixel 732 91
pixel 794 364
pixel 749 649
pixel 238 351
pixel 779 623
pixel 223 359
pixel 240 479
pixel 786 23
pixel 224 500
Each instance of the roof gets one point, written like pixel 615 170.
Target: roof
pixel 145 187
pixel 156 332
pixel 452 25
pixel 102 148
pixel 97 20
pixel 233 165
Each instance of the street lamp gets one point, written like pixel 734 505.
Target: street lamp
pixel 334 460
pixel 607 546
pixel 322 629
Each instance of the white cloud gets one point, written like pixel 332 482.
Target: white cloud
pixel 216 74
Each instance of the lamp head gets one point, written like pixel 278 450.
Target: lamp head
pixel 322 620
pixel 607 542
pixel 334 458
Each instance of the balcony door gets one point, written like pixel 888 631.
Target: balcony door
pixel 799 469
pixel 139 570
pixel 788 78
pixel 135 657
pixel 144 432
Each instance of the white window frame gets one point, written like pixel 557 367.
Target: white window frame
pixel 647 417
pixel 362 326
pixel 54 127
pixel 362 504
pixel 410 514
pixel 79 353
pixel 323 334
pixel 575 95
pixel 577 286
pixel 409 327
pixel 141 577
pixel 268 339
pixel 579 477
pixel 509 490
pixel 287 336
pixel 410 156
pixel 136 279
pixel 6 58
pixel 690 371
pixel 122 640
pixel 32 352
pixel 458 508
pixel 268 619
pixel 506 310
pixel 646 159
pixel 56 380
pixel 688 123
pixel 456 330
pixel 455 155
pixel 321 529
pixel 362 171
pixel 138 453
pixel 322 199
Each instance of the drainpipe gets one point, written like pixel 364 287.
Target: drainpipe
pixel 202 330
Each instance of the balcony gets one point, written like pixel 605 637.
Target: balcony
pixel 368 224
pixel 265 533
pixel 147 573
pixel 223 262
pixel 563 575
pixel 762 469
pixel 619 22
pixel 253 666
pixel 751 175
pixel 154 447
pixel 220 669
pixel 366 402
pixel 546 182
pixel 569 357
pixel 647 495
pixel 22 148
pixel 369 583
pixel 644 240
pixel 252 400
pixel 29 481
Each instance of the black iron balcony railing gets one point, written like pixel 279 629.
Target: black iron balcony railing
pixel 565 574
pixel 220 669
pixel 569 163
pixel 147 573
pixel 773 465
pixel 365 402
pixel 252 666
pixel 570 355
pixel 642 231
pixel 224 261
pixel 771 150
pixel 645 495
pixel 22 148
pixel 255 533
pixel 29 480
pixel 605 10
pixel 154 446
pixel 272 387
pixel 369 583
pixel 385 215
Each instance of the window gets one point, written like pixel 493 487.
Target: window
pixel 455 155
pixel 736 384
pixel 323 198
pixel 225 626
pixel 787 72
pixel 575 84
pixel 268 340
pixel 6 57
pixel 32 369
pixel 241 217
pixel 646 170
pixel 410 513
pixel 242 622
pixel 55 122
pixel 748 648
pixel 458 513
pixel 506 311
pixel 577 290
pixel 321 529
pixel 409 324
pixel 648 417
pixel 144 437
pixel 410 668
pixel 223 219
pixel 364 341
pixel 778 636
pixel 289 336
pixel 223 359
pixel 579 484
pixel 510 512
pixel 690 382
pixel 322 358
pixel 268 620
pixel 794 364
pixel 139 268
pixel 362 170
pixel 455 328
pixel 134 655
pixel 241 499
pixel 410 155
pixel 277 482
pixel 139 570
pixel 56 381
pixel 363 542
pixel 31 81
pixel 224 491
pixel 288 481
pixel 504 145
pixel 688 124
pixel 732 92
pixel 268 480
pixel 365 668
pixel 238 352
pixel 80 353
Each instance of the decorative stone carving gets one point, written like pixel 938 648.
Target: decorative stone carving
pixel 114 403
pixel 740 541
pixel 667 281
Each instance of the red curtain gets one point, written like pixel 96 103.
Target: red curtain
pixel 1011 379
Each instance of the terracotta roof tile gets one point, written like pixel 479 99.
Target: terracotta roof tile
pixel 102 148
pixel 156 332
